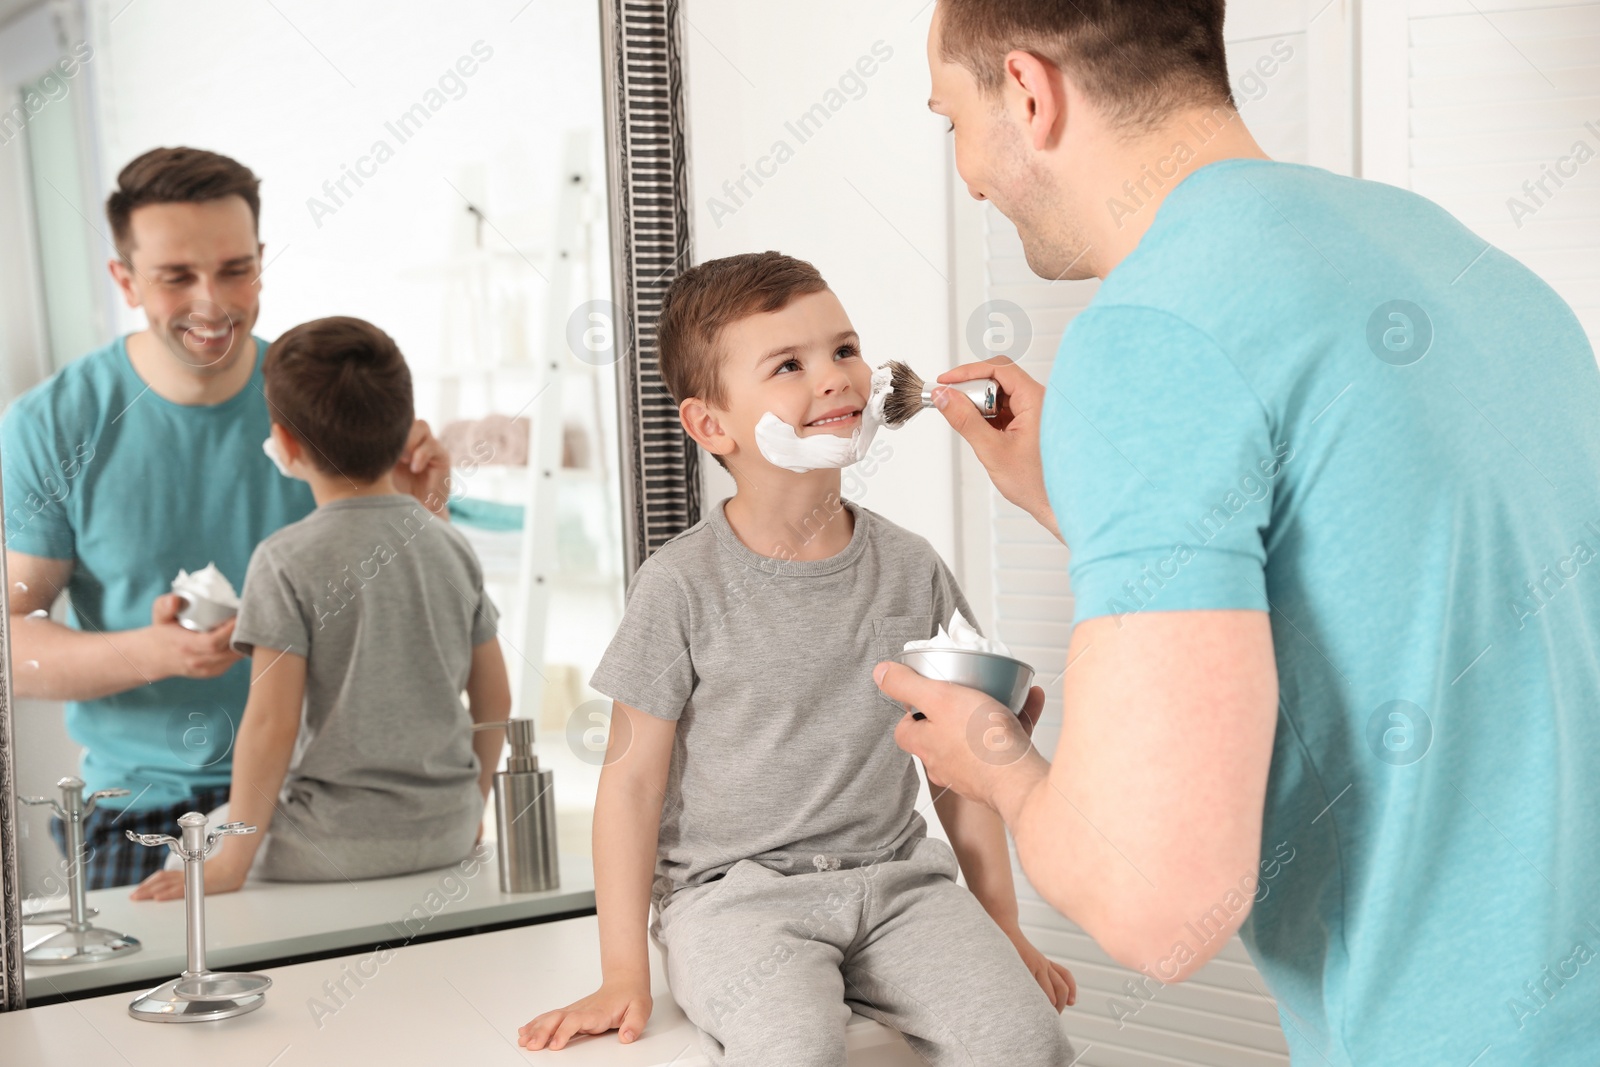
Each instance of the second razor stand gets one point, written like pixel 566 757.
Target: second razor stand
pixel 81 941
pixel 198 994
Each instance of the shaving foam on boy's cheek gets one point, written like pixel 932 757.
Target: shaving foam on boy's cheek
pixel 783 446
pixel 270 447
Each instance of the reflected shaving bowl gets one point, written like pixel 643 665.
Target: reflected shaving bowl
pixel 200 614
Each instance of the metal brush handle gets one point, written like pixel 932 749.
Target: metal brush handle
pixel 983 392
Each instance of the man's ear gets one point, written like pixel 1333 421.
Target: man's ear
pixel 702 424
pixel 122 274
pixel 1038 91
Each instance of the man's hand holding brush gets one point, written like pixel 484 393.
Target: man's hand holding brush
pixel 1008 444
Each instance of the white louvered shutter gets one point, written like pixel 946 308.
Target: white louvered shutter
pixel 1500 126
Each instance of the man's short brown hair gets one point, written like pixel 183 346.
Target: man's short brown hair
pixel 1140 60
pixel 178 176
pixel 342 388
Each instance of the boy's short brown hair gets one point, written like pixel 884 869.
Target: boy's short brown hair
pixel 1138 59
pixel 341 386
pixel 178 176
pixel 706 299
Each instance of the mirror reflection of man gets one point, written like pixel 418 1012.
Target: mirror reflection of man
pixel 135 461
pixel 1329 392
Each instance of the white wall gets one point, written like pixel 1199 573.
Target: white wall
pixel 299 91
pixel 865 198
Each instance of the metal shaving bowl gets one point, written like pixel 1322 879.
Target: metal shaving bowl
pixel 1001 677
pixel 199 614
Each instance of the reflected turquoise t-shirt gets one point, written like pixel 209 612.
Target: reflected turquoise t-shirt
pixel 1326 399
pixel 98 469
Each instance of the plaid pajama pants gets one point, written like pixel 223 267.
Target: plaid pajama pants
pixel 113 860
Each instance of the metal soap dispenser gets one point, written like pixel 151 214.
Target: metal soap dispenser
pixel 524 814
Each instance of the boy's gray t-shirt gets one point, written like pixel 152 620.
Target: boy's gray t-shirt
pixel 785 750
pixel 386 603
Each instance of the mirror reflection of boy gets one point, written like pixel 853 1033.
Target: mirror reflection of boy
pixel 753 794
pixel 135 461
pixel 364 623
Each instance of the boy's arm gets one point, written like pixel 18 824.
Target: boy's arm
pixel 978 838
pixel 261 756
pixel 627 823
pixel 488 700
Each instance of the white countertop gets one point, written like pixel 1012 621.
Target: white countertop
pixel 454 1001
pixel 275 920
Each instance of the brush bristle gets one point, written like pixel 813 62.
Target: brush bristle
pixel 905 395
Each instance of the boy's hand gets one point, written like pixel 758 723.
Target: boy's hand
pixel 1056 981
pixel 220 877
pixel 620 1006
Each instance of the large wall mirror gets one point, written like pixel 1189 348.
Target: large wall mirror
pixel 496 185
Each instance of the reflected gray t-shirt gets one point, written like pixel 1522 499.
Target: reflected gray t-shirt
pixel 386 603
pixel 785 749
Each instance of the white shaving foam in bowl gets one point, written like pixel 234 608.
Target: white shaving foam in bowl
pixel 209 584
pixel 960 635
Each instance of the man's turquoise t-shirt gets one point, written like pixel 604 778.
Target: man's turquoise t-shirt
pixel 1326 399
pixel 99 469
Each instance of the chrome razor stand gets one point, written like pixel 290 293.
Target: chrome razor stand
pixel 198 994
pixel 80 942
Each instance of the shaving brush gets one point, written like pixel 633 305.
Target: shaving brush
pixel 908 395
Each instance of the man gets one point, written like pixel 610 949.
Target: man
pixel 1327 466
pixel 137 460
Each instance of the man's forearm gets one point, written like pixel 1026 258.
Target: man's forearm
pixel 50 661
pixel 1076 867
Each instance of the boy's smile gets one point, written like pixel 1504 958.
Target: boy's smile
pixel 848 416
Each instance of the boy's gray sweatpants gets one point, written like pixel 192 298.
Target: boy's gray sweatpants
pixel 770 966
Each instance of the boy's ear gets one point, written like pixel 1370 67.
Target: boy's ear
pixel 289 446
pixel 702 424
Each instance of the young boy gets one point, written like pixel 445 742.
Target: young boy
pixel 364 622
pixel 752 791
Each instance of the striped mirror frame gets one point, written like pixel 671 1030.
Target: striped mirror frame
pixel 650 245
pixel 11 994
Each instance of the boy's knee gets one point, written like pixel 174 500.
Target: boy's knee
pixel 1036 1039
pixel 1012 1022
pixel 775 1023
pixel 1055 1045
pixel 794 1038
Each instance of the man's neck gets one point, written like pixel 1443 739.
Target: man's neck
pixel 171 380
pixel 326 488
pixel 793 517
pixel 1121 202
